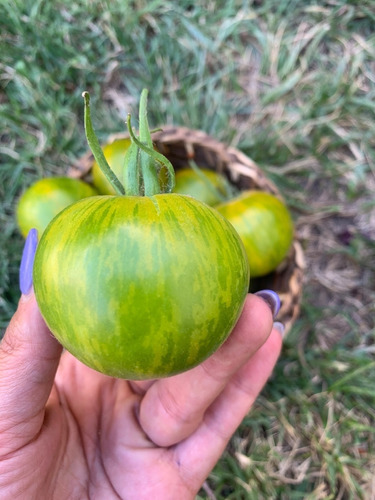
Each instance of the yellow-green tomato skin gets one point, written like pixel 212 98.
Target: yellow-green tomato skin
pixel 44 199
pixel 140 287
pixel 265 226
pixel 114 153
pixel 190 183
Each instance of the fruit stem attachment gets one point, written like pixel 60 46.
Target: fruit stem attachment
pixel 142 164
pixel 96 150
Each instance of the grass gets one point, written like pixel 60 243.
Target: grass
pixel 290 83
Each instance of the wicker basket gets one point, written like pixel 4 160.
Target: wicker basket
pixel 179 145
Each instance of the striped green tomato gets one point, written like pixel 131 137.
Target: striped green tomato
pixel 265 227
pixel 140 287
pixel 45 198
pixel 207 190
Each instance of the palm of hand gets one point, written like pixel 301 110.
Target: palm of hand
pixel 108 455
pixel 76 434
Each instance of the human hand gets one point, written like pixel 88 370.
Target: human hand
pixel 69 432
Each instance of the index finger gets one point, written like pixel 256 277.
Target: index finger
pixel 174 407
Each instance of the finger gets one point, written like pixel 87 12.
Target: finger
pixel 29 356
pixel 198 454
pixel 140 387
pixel 174 407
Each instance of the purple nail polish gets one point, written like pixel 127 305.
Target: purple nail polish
pixel 280 328
pixel 27 262
pixel 272 299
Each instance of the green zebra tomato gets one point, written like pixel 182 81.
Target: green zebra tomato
pixel 140 287
pixel 189 182
pixel 265 227
pixel 44 199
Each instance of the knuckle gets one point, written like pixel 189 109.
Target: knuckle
pixel 174 407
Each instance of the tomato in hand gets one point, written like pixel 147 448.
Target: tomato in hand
pixel 140 287
pixel 265 227
pixel 44 199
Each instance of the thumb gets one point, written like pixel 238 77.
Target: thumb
pixel 29 356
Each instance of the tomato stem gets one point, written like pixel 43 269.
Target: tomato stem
pixel 131 174
pixel 142 163
pixel 94 145
pixel 148 171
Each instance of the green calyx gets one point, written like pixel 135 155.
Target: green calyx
pixel 142 164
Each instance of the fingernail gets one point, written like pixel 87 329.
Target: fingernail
pixel 280 328
pixel 272 299
pixel 27 262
